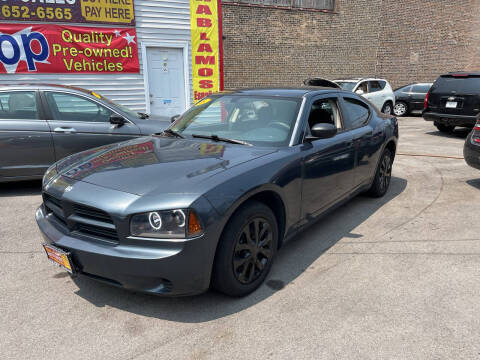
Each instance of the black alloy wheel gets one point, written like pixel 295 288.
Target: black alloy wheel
pixel 381 182
pixel 385 173
pixel 253 250
pixel 246 250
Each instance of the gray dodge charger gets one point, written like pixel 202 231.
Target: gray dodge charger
pixel 210 201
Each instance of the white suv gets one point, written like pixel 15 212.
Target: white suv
pixel 378 91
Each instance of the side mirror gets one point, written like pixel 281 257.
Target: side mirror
pixel 322 131
pixel 359 92
pixel 116 119
pixel 174 118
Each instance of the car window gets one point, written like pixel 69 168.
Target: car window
pixel 70 107
pixel 325 111
pixel 356 113
pixel 18 105
pixel 375 86
pixel 363 86
pixel 422 89
pixel 461 85
pixel 382 84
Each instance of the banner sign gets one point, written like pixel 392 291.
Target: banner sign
pixel 71 11
pixel 67 49
pixel 205 20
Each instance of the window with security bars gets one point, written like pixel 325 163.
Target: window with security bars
pixel 328 5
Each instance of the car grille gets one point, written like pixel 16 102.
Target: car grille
pixel 80 219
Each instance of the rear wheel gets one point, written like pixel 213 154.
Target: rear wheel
pixel 444 128
pixel 246 250
pixel 387 108
pixel 383 176
pixel 400 108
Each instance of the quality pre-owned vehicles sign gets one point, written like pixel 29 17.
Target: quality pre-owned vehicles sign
pixel 71 11
pixel 60 49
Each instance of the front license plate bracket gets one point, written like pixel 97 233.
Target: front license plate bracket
pixel 59 257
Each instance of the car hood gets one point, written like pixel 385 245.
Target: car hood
pixel 147 164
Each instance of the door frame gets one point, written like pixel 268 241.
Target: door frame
pixel 186 70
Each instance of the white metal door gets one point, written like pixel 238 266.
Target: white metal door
pixel 166 81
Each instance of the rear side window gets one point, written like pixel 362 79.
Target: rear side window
pixel 461 85
pixel 422 89
pixel 18 105
pixel 357 113
pixel 375 86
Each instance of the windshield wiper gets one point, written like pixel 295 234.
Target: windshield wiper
pixel 143 115
pixel 170 132
pixel 217 138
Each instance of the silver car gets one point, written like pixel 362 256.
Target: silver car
pixel 378 91
pixel 41 124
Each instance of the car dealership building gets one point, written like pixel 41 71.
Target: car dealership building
pixel 139 52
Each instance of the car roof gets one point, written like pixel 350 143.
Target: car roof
pixel 360 79
pixel 277 91
pixel 465 73
pixel 43 86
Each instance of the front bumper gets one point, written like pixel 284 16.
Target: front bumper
pixel 471 152
pixel 450 119
pixel 181 267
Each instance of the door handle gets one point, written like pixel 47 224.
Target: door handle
pixel 65 130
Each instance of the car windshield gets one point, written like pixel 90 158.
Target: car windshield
pixel 257 120
pixel 346 85
pixel 461 85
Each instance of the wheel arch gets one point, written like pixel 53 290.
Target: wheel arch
pixel 269 196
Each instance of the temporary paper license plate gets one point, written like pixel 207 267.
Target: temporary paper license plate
pixel 59 257
pixel 451 104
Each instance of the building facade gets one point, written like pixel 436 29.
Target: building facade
pixel 278 43
pixel 163 82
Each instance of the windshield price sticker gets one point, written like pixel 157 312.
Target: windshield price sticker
pixel 80 11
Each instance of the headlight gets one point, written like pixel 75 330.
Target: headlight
pixel 177 224
pixel 49 174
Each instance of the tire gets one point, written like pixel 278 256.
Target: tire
pixel 241 266
pixel 400 108
pixel 387 108
pixel 444 128
pixel 381 182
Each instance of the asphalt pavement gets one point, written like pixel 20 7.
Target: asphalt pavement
pixel 390 278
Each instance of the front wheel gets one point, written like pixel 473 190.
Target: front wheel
pixel 387 108
pixel 246 250
pixel 400 109
pixel 381 182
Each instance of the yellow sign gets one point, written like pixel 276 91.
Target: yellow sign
pixel 108 11
pixel 206 47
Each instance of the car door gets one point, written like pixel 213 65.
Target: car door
pixel 417 96
pixel 375 94
pixel 366 139
pixel 79 123
pixel 328 164
pixel 26 146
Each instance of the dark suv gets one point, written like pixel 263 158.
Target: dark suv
pixel 453 100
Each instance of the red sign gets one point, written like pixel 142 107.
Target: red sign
pixel 67 49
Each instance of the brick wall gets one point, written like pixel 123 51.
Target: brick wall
pixel 402 41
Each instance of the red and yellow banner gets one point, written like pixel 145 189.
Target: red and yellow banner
pixel 67 49
pixel 205 20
